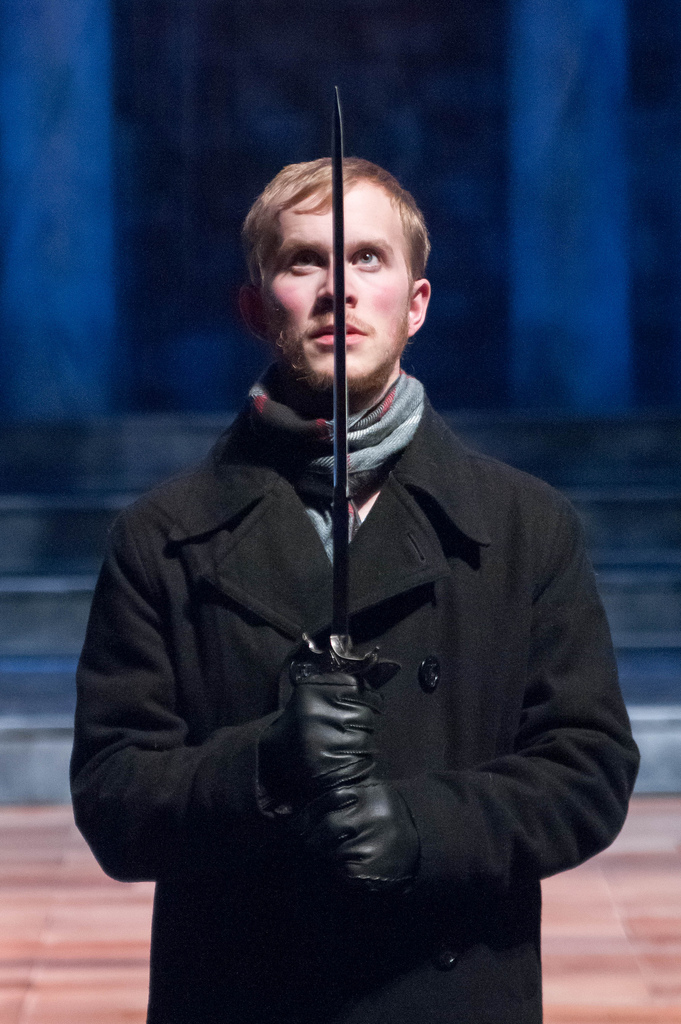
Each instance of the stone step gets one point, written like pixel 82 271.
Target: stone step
pixel 34 685
pixel 55 533
pixel 657 730
pixel 127 453
pixel 644 557
pixel 35 752
pixel 38 686
pixel 642 600
pixel 650 675
pixel 629 518
pixel 34 759
pixel 44 616
pixel 63 484
pixel 571 451
pixel 67 533
pixel 135 452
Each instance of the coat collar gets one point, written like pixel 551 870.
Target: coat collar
pixel 437 463
pixel 235 476
pixel 258 528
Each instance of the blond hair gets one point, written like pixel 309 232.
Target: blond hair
pixel 297 182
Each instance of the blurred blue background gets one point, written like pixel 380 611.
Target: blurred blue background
pixel 541 137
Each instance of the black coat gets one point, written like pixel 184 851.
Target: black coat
pixel 519 764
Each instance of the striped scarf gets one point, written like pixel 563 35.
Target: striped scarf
pixel 375 439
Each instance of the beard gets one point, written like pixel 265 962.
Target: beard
pixel 362 388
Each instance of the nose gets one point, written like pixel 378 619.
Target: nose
pixel 327 287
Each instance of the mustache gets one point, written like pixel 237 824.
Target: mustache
pixel 350 323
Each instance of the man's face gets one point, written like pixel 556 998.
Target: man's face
pixel 383 307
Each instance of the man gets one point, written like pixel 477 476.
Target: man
pixel 325 851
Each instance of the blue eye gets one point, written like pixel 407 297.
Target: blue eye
pixel 366 257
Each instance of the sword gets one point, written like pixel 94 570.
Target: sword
pixel 340 509
pixel 341 656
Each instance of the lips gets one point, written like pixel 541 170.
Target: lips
pixel 327 332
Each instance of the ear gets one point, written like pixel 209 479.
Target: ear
pixel 252 309
pixel 420 297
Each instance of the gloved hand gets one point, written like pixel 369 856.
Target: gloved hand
pixel 323 738
pixel 365 832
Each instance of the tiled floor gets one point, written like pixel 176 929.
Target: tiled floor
pixel 612 927
pixel 74 943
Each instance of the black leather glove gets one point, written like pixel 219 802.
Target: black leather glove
pixel 323 738
pixel 366 833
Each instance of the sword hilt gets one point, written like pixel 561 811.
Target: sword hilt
pixel 340 656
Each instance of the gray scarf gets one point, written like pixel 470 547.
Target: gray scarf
pixel 375 439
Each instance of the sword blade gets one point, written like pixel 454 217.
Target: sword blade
pixel 340 513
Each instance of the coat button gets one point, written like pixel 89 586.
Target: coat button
pixel 445 959
pixel 299 671
pixel 429 674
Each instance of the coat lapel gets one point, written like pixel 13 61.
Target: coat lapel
pixel 273 562
pixel 394 551
pixel 439 465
